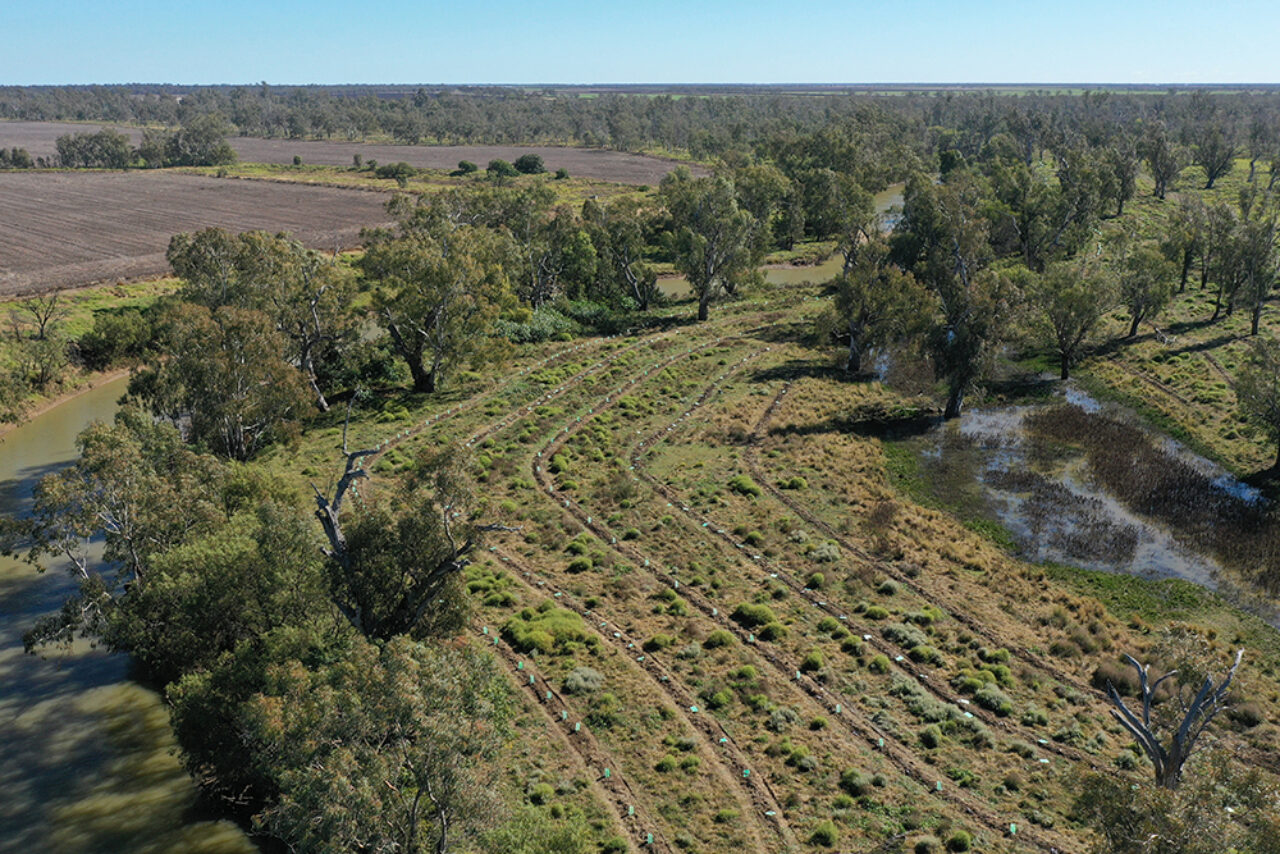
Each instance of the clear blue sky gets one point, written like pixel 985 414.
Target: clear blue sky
pixel 640 41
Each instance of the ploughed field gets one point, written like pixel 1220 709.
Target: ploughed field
pixel 618 166
pixel 737 635
pixel 61 230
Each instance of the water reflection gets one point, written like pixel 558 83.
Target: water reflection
pixel 87 758
pixel 1054 505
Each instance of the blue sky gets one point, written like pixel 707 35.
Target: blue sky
pixel 642 41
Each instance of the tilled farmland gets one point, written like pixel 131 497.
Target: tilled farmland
pixel 72 229
pixel 625 168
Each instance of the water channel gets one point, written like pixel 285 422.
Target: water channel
pixel 87 759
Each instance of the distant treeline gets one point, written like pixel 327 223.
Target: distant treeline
pixel 705 125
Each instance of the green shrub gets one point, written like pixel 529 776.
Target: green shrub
pixel 750 614
pixel 993 699
pixel 666 763
pixel 529 164
pixel 825 834
pixel 499 168
pixel 793 483
pixel 854 782
pixel 541 793
pixel 720 699
pixel 927 845
pixel 815 581
pixel 726 816
pixel 879 664
pixel 658 642
pixel 931 736
pixel 925 654
pixel 753 538
pixel 579 564
pixel 961 840
pixel 773 632
pixel 812 661
pixel 904 635
pixel 887 588
pixel 631 534
pixel 548 631
pixel 875 612
pixel 744 485
pixel 718 638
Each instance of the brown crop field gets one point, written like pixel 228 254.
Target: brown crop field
pixel 61 230
pixel 39 137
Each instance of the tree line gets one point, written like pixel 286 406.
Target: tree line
pixel 201 141
pixel 709 125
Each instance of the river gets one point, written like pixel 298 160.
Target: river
pixel 87 758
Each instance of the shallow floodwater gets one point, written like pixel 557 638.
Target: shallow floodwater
pixel 87 760
pixel 986 463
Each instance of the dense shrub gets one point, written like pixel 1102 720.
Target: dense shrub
pixel 825 834
pixel 744 485
pixel 529 164
pixel 547 631
pixel 751 614
pixel 993 699
pixel 854 782
pixel 718 638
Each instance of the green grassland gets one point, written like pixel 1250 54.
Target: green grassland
pixel 771 642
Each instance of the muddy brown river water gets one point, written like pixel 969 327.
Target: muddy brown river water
pixel 87 759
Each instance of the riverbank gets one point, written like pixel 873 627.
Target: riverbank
pixel 46 405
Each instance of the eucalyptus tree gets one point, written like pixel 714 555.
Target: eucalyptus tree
pixel 307 296
pixel 1258 390
pixel 437 295
pixel 620 232
pixel 876 303
pixel 1214 150
pixel 1068 301
pixel 943 240
pixel 224 379
pixel 1145 285
pixel 1163 158
pixel 711 241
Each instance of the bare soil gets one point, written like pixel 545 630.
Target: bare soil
pixel 63 230
pixel 619 166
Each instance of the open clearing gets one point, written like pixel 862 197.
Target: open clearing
pixel 775 637
pixel 39 137
pixel 71 229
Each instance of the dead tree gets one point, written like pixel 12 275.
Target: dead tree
pixel 392 574
pixel 1197 715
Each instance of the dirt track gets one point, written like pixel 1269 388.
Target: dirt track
pixel 38 138
pixel 72 229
